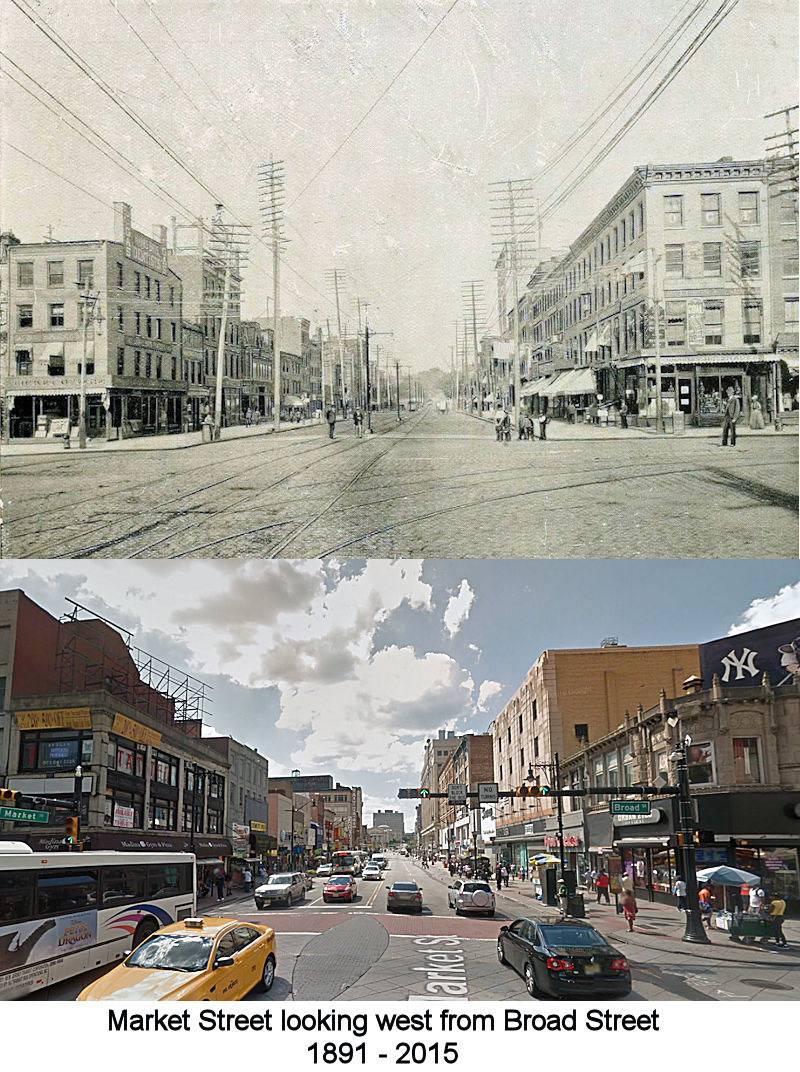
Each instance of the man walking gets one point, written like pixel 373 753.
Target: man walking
pixel 733 409
pixel 679 889
pixel 601 885
pixel 777 910
pixel 330 417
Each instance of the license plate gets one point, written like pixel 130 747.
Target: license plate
pixel 591 969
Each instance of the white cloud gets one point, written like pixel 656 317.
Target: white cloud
pixel 458 608
pixel 781 607
pixel 487 690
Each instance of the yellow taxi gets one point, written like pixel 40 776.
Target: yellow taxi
pixel 197 959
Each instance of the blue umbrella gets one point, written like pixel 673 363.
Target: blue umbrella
pixel 722 875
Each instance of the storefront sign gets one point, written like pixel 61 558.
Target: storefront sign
pixel 143 249
pixel 257 827
pixel 240 836
pixel 571 841
pixel 742 659
pixel 135 731
pixel 773 863
pixel 62 718
pixel 654 816
pixel 123 816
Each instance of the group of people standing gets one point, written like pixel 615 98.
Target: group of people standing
pixel 526 426
pixel 358 421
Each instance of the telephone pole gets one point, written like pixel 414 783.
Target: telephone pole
pixel 228 248
pixel 88 302
pixel 272 195
pixel 473 301
pixel 334 278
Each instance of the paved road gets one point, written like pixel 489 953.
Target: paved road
pixel 359 952
pixel 437 485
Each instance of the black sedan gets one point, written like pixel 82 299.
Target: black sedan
pixel 565 958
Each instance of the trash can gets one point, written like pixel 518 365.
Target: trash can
pixel 575 906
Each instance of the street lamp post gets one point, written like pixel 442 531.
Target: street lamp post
pixel 695 932
pixel 77 791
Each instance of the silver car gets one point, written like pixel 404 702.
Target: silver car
pixel 471 895
pixel 404 895
pixel 281 889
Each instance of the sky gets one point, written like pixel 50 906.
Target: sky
pixel 391 118
pixel 345 668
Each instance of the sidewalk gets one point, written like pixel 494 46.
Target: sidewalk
pixel 560 430
pixel 658 928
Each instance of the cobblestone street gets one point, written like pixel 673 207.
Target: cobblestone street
pixel 437 485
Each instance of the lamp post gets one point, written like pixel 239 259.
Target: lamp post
pixel 78 800
pixel 695 932
pixel 554 772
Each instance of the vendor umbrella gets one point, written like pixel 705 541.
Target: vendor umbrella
pixel 723 875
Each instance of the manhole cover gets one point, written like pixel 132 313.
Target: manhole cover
pixel 766 984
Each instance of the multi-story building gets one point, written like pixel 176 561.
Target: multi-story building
pixel 119 303
pixel 690 248
pixel 344 803
pixel 257 362
pixel 784 282
pixel 742 716
pixel 568 698
pixel 437 752
pixel 78 696
pixel 395 820
pixel 471 762
pixel 248 795
pixel 198 395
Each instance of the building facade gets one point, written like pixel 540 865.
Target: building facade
pixel 395 820
pixel 437 751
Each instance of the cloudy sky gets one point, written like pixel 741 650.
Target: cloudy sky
pixel 392 116
pixel 346 668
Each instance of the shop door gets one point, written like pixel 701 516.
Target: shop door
pixel 684 394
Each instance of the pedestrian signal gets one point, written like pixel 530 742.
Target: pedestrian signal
pixel 11 796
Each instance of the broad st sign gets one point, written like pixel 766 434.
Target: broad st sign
pixel 744 658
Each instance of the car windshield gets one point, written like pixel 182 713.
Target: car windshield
pixel 577 937
pixel 280 880
pixel 405 887
pixel 340 880
pixel 172 952
pixel 473 887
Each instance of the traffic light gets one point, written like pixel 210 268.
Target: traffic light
pixel 425 793
pixel 10 796
pixel 71 831
pixel 405 793
pixel 533 790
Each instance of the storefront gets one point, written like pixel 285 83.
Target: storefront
pixel 643 843
pixel 516 845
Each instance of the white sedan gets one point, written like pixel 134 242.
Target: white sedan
pixel 324 870
pixel 371 871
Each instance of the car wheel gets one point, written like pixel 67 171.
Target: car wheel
pixel 259 904
pixel 501 956
pixel 145 928
pixel 530 981
pixel 288 902
pixel 267 975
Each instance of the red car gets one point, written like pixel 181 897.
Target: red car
pixel 339 888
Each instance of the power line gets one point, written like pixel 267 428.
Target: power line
pixel 374 104
pixel 52 171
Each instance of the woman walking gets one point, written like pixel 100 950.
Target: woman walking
pixel 629 909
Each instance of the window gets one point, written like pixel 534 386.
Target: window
pixel 158 327
pixel 25 316
pixel 172 295
pixel 120 360
pixel 750 259
pixel 627 765
pixel 520 723
pixel 163 815
pixel 751 320
pixel 748 207
pixel 673 210
pixel 57 315
pixel 789 249
pixel 148 366
pixel 522 759
pixel 147 286
pixel 23 363
pixel 16 896
pixel 158 290
pixel 700 762
pixel 632 226
pixel 641 217
pixel 120 276
pixel 25 273
pixel 712 258
pixel 510 766
pixel 612 769
pixel 66 891
pixel 674 260
pixel 788 209
pixel 137 282
pixel 174 331
pixel 123 885
pixel 676 323
pixel 622 233
pixel 138 318
pixel 120 318
pixel 746 762
pixel 149 327
pixel 790 320
pixel 86 274
pixel 710 210
pixel 55 273
pixel 168 880
pixel 55 365
pixel 158 366
pixel 712 322
pixel 137 362
pixel 163 768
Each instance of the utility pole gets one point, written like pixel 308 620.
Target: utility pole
pixel 473 301
pixel 397 391
pixel 77 791
pixel 228 250
pixel 272 194
pixel 88 303
pixel 656 307
pixel 695 932
pixel 334 278
pixel 366 358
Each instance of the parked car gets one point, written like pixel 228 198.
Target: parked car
pixel 339 888
pixel 372 872
pixel 471 895
pixel 404 895
pixel 559 959
pixel 324 870
pixel 215 959
pixel 281 889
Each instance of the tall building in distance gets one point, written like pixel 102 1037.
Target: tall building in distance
pixel 395 820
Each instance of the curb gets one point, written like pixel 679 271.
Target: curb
pixel 651 433
pixel 705 953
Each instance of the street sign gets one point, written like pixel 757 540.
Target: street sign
pixel 456 794
pixel 630 807
pixel 22 815
pixel 487 793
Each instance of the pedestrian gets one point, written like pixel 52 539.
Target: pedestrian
pixel 330 417
pixel 248 879
pixel 736 899
pixel 498 875
pixel 358 422
pixel 572 413
pixel 543 425
pixel 506 427
pixel 498 427
pixel 679 889
pixel 591 880
pixel 593 414
pixel 623 414
pixel 522 425
pixel 262 874
pixel 777 910
pixel 733 408
pixel 629 908
pixel 757 900
pixel 228 883
pixel 756 415
pixel 601 885
pixel 220 884
pixel 705 899
pixel 504 875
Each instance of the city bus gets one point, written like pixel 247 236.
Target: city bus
pixel 65 913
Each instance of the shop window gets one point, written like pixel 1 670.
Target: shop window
pixel 23 363
pixel 751 321
pixel 746 761
pixel 748 206
pixel 790 320
pixel 86 275
pixel 712 258
pixel 676 323
pixel 57 315
pixel 750 259
pixel 700 763
pixel 712 322
pixel 673 210
pixel 790 260
pixel 710 210
pixel 55 273
pixel 25 316
pixel 674 260
pixel 25 273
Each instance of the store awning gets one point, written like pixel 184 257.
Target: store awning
pixel 580 381
pixel 642 842
pixel 553 388
pixel 535 387
pixel 792 361
pixel 292 400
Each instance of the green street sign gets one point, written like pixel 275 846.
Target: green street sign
pixel 22 815
pixel 630 807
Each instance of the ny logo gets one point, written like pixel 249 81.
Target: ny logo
pixel 745 664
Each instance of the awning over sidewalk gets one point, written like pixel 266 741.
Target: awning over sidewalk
pixel 553 388
pixel 535 388
pixel 580 381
